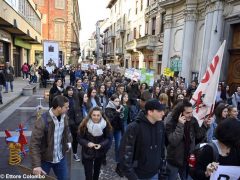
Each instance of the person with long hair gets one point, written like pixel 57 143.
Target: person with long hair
pixel 220 113
pixel 228 145
pixel 126 116
pixel 83 104
pixel 143 87
pixel 114 112
pixel 94 134
pixel 103 99
pixel 171 98
pixel 57 89
pixel 93 99
pixel 74 118
pixel 156 92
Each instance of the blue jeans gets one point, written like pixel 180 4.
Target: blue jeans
pixel 59 169
pixel 11 85
pixel 117 134
pixel 173 172
pixel 155 177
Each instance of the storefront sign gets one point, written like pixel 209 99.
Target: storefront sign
pixel 19 42
pixel 5 36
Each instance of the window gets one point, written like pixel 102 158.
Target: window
pixel 128 36
pixel 115 7
pixel 136 7
pixel 153 26
pixel 146 28
pixel 59 30
pixel 162 22
pixel 134 33
pixel 148 2
pixel 140 30
pixel 129 13
pixel 60 4
pixel 159 64
pixel 141 5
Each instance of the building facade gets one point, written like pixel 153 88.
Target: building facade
pixel 134 37
pixel 20 29
pixel 194 30
pixel 60 23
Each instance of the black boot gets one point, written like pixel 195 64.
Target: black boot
pixel 1 101
pixel 118 170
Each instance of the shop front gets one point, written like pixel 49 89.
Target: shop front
pixel 5 44
pixel 21 54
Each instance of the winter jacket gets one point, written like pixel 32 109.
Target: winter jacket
pixel 114 117
pixel 90 153
pixel 142 148
pixel 42 140
pixel 54 91
pixel 9 73
pixel 2 79
pixel 175 137
pixel 25 68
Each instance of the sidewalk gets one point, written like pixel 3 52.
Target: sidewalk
pixel 10 97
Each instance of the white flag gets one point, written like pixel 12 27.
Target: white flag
pixel 204 97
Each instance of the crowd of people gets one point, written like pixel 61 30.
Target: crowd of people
pixel 153 128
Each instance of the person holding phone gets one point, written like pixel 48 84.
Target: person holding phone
pixel 95 135
pixel 182 131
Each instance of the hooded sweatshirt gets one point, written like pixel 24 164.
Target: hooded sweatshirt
pixel 146 142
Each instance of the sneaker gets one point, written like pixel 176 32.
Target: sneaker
pixel 76 158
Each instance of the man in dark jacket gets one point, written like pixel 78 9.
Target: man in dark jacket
pixel 50 140
pixel 142 146
pixel 2 83
pixel 9 75
pixel 182 131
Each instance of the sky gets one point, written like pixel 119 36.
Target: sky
pixel 90 12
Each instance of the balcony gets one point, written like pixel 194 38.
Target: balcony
pixel 148 42
pixel 131 45
pixel 164 3
pixel 151 9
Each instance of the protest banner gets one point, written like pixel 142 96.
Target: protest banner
pixel 203 99
pixel 147 77
pixel 99 72
pixel 226 173
pixel 84 67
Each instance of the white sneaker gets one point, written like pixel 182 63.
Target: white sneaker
pixel 76 158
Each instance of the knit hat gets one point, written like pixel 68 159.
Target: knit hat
pixel 154 104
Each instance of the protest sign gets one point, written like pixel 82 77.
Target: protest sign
pixel 99 72
pixel 168 72
pixel 84 67
pixel 226 173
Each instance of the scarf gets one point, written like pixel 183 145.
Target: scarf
pixel 60 89
pixel 96 129
pixel 187 139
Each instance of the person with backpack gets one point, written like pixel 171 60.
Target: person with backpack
pixel 142 147
pixel 182 131
pixel 226 153
pixel 50 140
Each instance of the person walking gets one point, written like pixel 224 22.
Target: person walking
pixel 142 146
pixel 9 76
pixel 50 140
pixel 25 71
pixel 94 134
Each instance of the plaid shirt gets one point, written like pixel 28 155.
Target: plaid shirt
pixel 58 132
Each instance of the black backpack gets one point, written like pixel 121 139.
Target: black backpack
pixel 197 151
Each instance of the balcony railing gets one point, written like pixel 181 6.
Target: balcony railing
pixel 149 42
pixel 151 7
pixel 131 45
